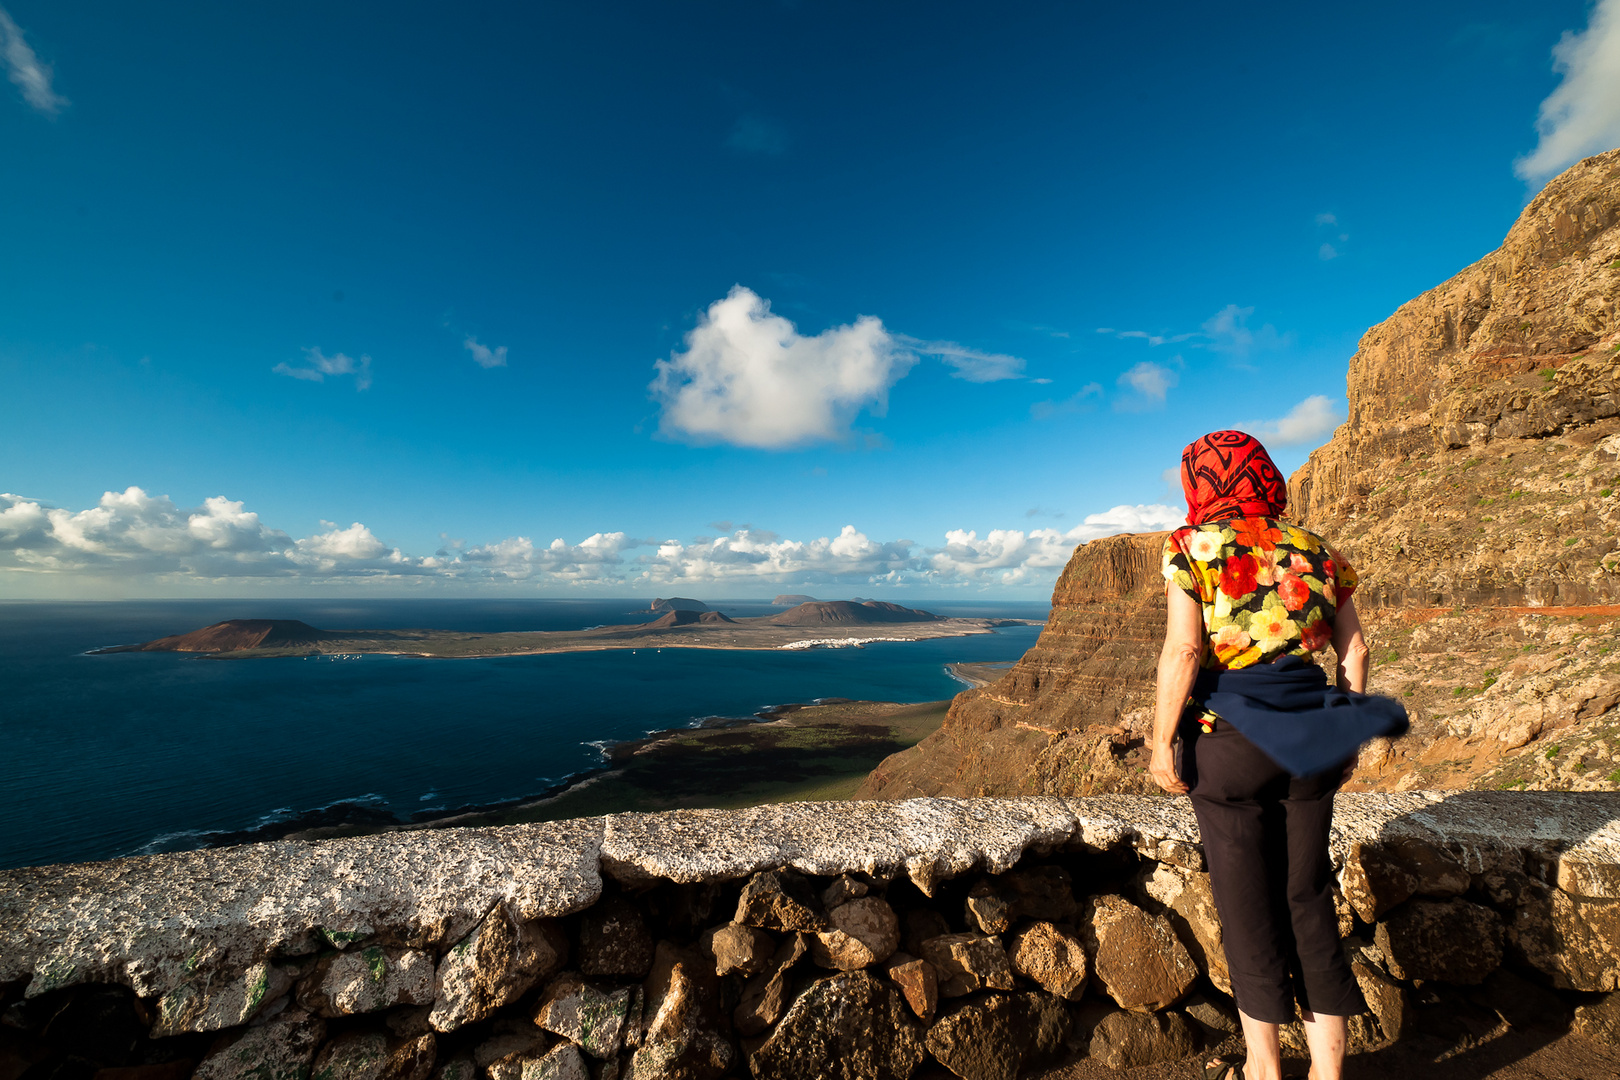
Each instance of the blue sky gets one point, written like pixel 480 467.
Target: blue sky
pixel 713 298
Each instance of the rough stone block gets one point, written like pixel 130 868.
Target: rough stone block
pixel 780 900
pixel 918 981
pixel 371 1055
pixel 285 1046
pixel 562 1062
pixel 988 910
pixel 863 932
pixel 683 1040
pixel 764 997
pixel 1052 957
pixel 1388 1012
pixel 1575 943
pixel 738 948
pixel 1129 1040
pixel 593 1019
pixel 1192 906
pixel 1454 941
pixel 494 966
pixel 852 1026
pixel 968 962
pixel 1137 958
pixel 845 887
pixel 1382 874
pixel 216 999
pixel 997 1036
pixel 368 980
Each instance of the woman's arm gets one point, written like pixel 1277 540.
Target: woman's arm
pixel 1354 659
pixel 1184 641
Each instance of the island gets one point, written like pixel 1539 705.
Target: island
pixel 815 624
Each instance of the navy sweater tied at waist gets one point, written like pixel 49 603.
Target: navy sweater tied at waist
pixel 1289 711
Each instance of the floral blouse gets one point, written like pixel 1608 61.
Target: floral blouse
pixel 1267 588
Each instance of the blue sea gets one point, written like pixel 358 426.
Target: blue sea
pixel 134 753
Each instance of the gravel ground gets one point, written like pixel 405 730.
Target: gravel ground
pixel 1513 1055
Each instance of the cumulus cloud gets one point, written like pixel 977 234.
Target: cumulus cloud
pixel 133 536
pixel 1327 252
pixel 26 71
pixel 748 377
pixel 319 366
pixel 762 556
pixel 518 559
pixel 1148 383
pixel 1310 422
pixel 1013 556
pixel 483 355
pixel 1582 116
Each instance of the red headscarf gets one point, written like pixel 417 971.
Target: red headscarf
pixel 1227 474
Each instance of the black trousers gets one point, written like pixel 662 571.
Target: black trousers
pixel 1265 836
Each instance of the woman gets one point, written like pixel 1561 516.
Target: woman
pixel 1264 741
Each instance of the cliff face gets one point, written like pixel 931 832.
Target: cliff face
pixel 1479 470
pixel 1481 445
pixel 1067 718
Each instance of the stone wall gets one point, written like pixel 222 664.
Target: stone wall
pixel 808 940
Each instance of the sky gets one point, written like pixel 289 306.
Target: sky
pixel 713 298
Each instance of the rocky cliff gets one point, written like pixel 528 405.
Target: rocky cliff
pixel 1476 487
pixel 1068 717
pixel 1482 450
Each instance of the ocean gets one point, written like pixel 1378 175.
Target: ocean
pixel 135 753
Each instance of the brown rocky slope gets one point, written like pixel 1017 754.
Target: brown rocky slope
pixel 1475 485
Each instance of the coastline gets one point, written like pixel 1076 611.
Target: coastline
pixel 741 635
pixel 977 673
pixel 803 751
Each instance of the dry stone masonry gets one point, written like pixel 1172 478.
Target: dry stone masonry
pixel 856 941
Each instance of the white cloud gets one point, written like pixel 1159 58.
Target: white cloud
pixel 970 364
pixel 26 71
pixel 516 558
pixel 321 365
pixel 758 555
pixel 132 537
pixel 757 136
pixel 1149 383
pixel 1012 556
pixel 1309 423
pixel 1327 252
pixel 1582 116
pixel 133 532
pixel 1327 219
pixel 483 355
pixel 748 377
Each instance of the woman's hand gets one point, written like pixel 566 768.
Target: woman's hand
pixel 1163 769
pixel 1184 642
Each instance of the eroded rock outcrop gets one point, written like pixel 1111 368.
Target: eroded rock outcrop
pixel 1483 415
